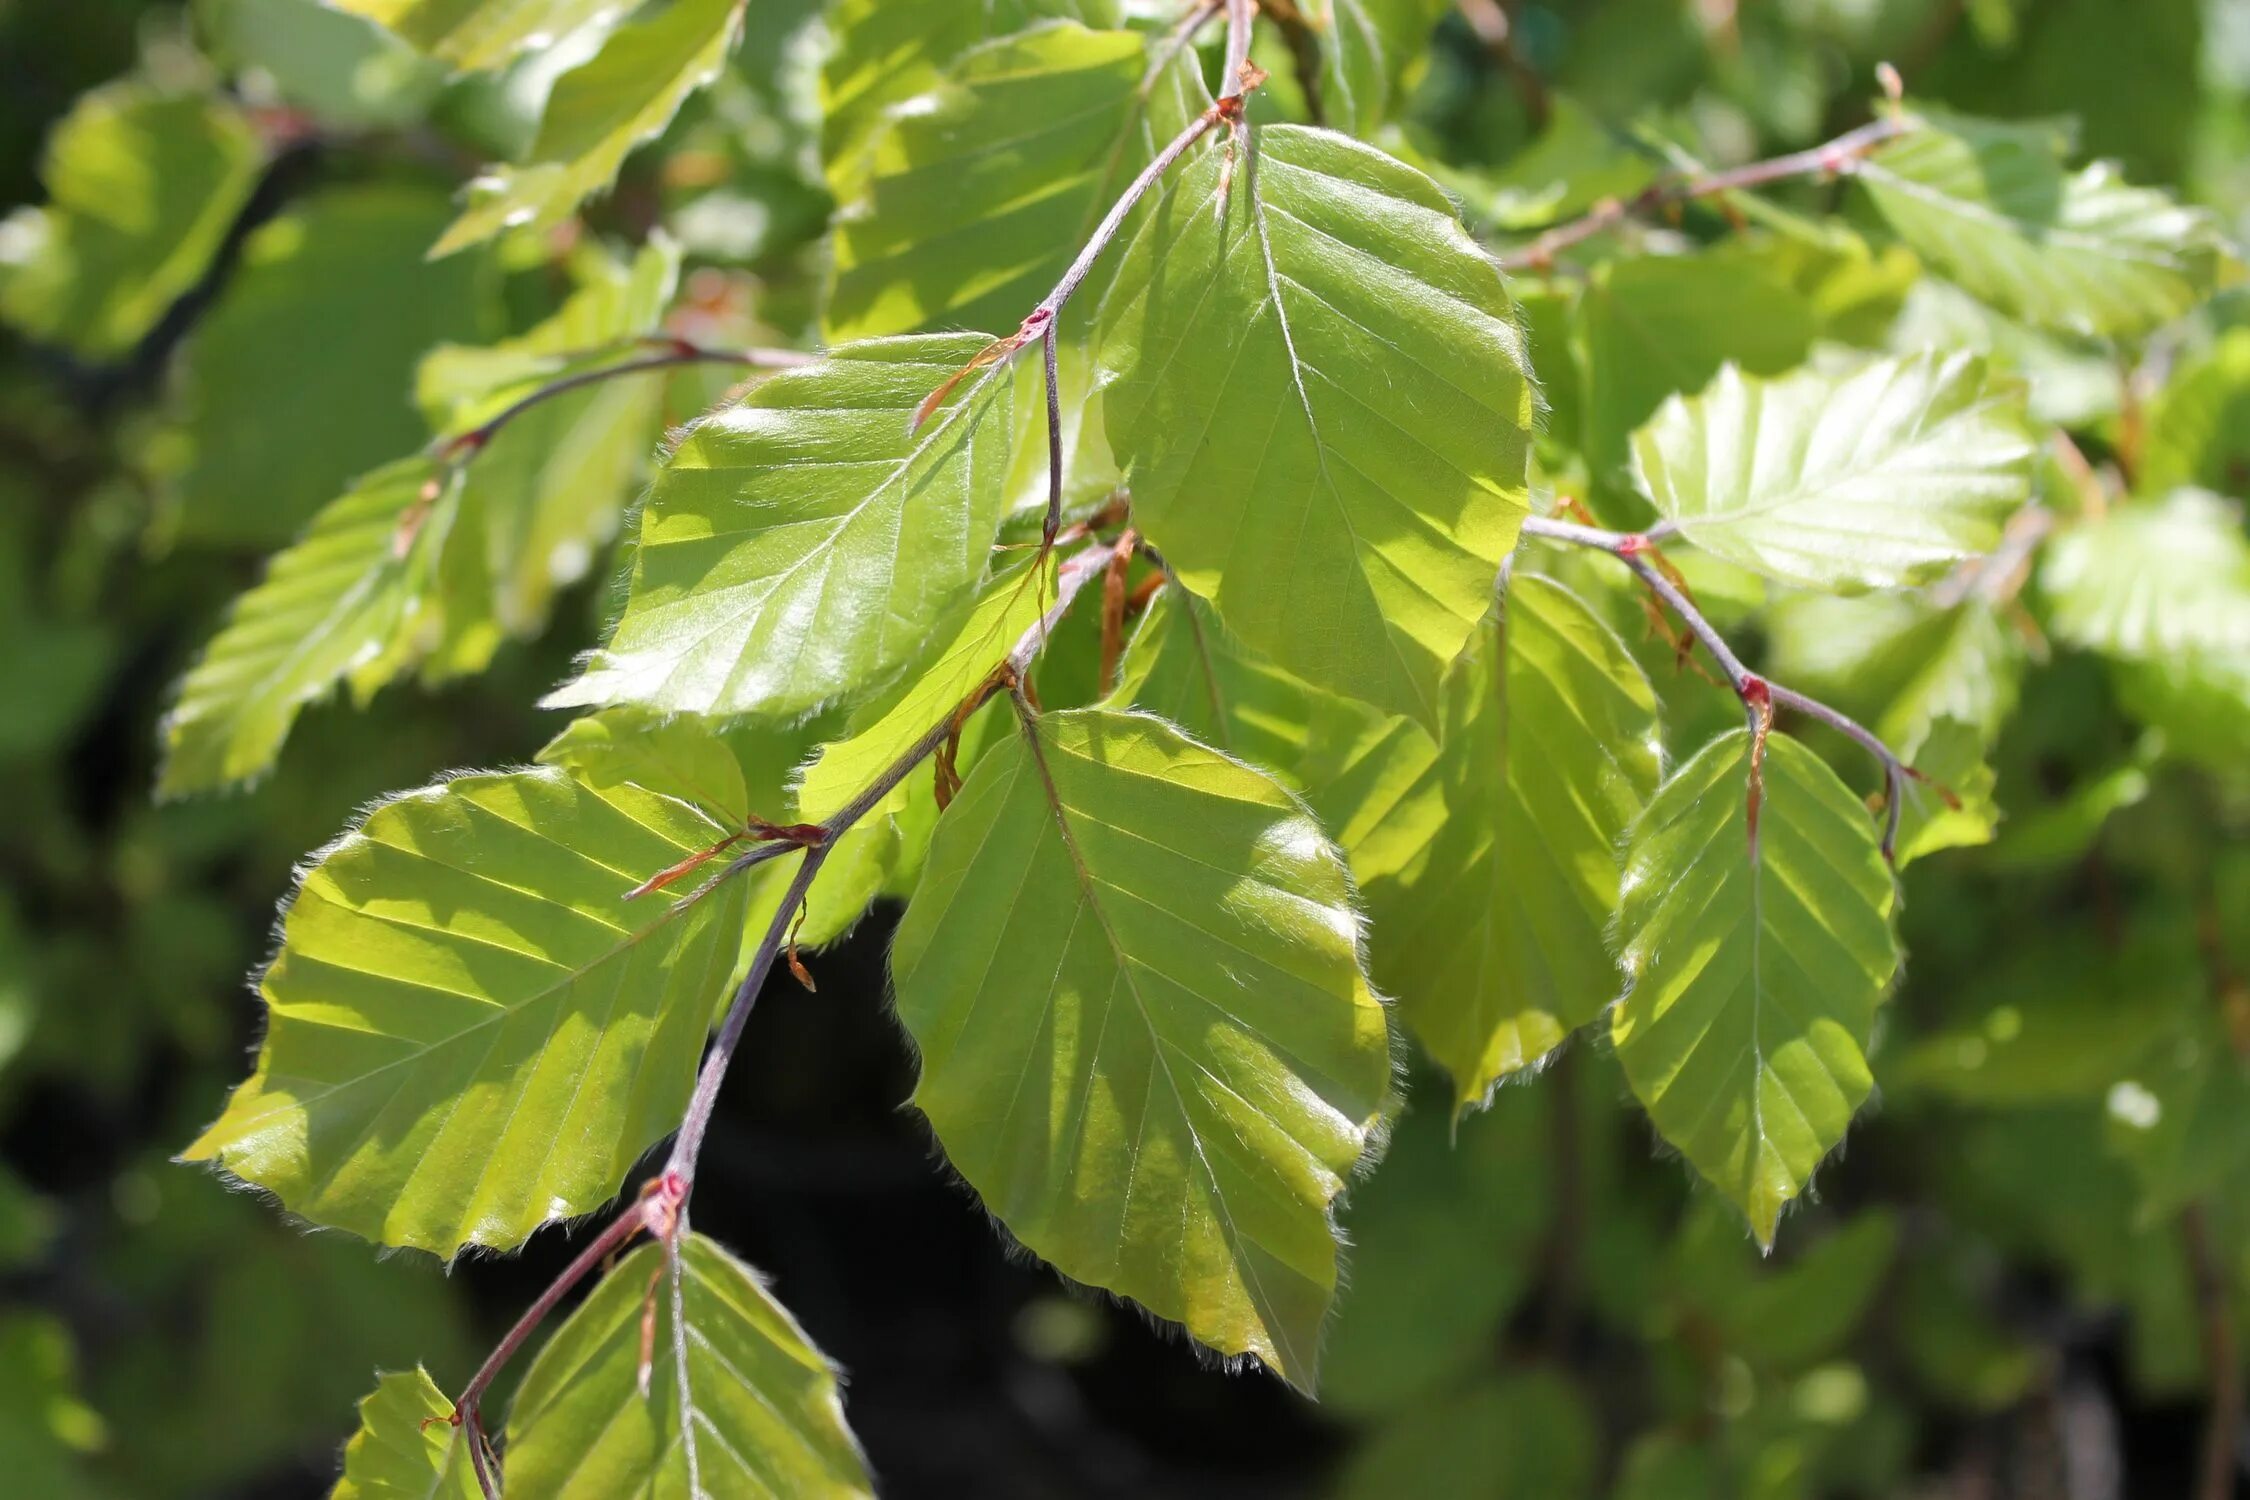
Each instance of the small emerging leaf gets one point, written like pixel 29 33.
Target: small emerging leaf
pixel 407 1447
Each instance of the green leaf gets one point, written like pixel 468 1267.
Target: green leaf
pixel 1370 52
pixel 407 1447
pixel 764 1408
pixel 1330 371
pixel 1525 1434
pixel 1872 479
pixel 2153 581
pixel 672 755
pixel 885 52
pixel 979 193
pixel 2181 1120
pixel 599 111
pixel 1490 932
pixel 470 1033
pixel 2199 423
pixel 478 34
pixel 1132 971
pixel 141 189
pixel 1754 966
pixel 1184 665
pixel 333 608
pixel 1786 1315
pixel 324 318
pixel 1653 326
pixel 800 548
pixel 1991 206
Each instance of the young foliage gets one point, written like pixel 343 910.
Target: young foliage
pixel 1147 1040
pixel 1756 923
pixel 1304 350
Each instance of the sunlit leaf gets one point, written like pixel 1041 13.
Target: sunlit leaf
pixel 1755 960
pixel 141 191
pixel 2153 581
pixel 1309 358
pixel 470 1032
pixel 407 1447
pixel 478 33
pixel 1184 665
pixel 799 548
pixel 1992 206
pixel 1500 859
pixel 332 609
pixel 980 192
pixel 1872 479
pixel 766 1418
pixel 1131 969
pixel 2199 423
pixel 1370 51
pixel 598 112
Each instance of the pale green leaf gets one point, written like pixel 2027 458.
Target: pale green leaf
pixel 980 192
pixel 1490 930
pixel 1992 207
pixel 884 52
pixel 1950 805
pixel 407 1447
pixel 1308 359
pixel 765 1415
pixel 1184 665
pixel 332 609
pixel 478 34
pixel 324 318
pixel 800 548
pixel 1871 479
pixel 2199 423
pixel 470 1032
pixel 674 755
pixel 1132 971
pixel 141 190
pixel 2072 381
pixel 599 111
pixel 1754 967
pixel 2153 581
pixel 344 70
pixel 1654 326
pixel 1370 52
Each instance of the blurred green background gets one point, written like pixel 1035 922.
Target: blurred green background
pixel 1968 1313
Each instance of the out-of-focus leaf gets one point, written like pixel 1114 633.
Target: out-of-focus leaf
pixel 2153 581
pixel 324 319
pixel 141 190
pixel 800 548
pixel 597 114
pixel 1159 946
pixel 2199 423
pixel 1527 1434
pixel 978 193
pixel 1873 479
pixel 765 1415
pixel 470 1033
pixel 1370 51
pixel 1991 205
pixel 1756 955
pixel 1374 347
pixel 477 33
pixel 340 67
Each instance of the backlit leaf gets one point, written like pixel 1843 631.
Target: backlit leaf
pixel 141 190
pixel 1754 967
pixel 766 1417
pixel 598 112
pixel 1871 479
pixel 799 548
pixel 980 192
pixel 1308 358
pixel 2153 581
pixel 1488 925
pixel 478 33
pixel 470 1033
pixel 407 1447
pixel 1992 207
pixel 1132 971
pixel 1184 665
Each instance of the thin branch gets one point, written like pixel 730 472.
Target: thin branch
pixel 1235 78
pixel 2222 1360
pixel 1759 696
pixel 674 353
pixel 1835 158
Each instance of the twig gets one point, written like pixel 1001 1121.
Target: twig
pixel 463 446
pixel 2221 1358
pixel 662 1207
pixel 1835 158
pixel 1759 696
